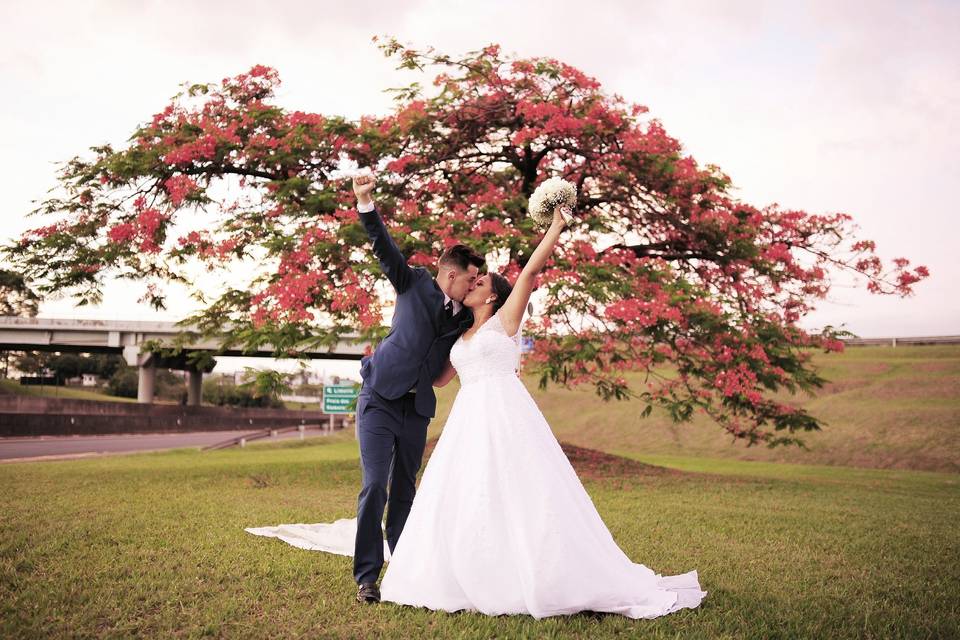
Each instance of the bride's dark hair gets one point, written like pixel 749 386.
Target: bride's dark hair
pixel 501 288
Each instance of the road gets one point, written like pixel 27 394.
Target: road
pixel 66 447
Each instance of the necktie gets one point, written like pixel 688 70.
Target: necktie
pixel 449 309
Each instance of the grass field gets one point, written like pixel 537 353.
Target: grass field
pixel 862 544
pixel 153 545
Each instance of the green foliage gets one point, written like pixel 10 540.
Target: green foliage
pixel 71 365
pixel 265 383
pixel 32 362
pixel 124 382
pixel 16 297
pixel 221 392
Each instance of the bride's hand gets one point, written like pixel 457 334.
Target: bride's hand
pixel 562 215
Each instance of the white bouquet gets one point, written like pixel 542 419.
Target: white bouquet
pixel 548 195
pixel 349 173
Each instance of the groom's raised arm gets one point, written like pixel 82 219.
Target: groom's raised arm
pixel 392 261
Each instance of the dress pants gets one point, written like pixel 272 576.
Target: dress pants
pixel 392 438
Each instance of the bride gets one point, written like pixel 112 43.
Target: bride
pixel 501 524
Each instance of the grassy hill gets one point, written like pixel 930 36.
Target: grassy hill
pixel 49 391
pixel 884 407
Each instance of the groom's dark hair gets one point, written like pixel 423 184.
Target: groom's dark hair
pixel 460 256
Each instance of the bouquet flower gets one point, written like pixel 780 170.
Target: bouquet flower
pixel 549 194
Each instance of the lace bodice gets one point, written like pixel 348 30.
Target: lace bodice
pixel 489 352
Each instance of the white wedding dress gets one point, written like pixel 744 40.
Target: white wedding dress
pixel 501 524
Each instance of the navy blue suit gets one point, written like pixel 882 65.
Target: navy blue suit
pixel 391 418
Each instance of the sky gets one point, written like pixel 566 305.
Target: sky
pixel 835 106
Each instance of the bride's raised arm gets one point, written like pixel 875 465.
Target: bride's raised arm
pixel 512 311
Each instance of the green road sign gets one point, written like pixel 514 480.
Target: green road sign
pixel 340 398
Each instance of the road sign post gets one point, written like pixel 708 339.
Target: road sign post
pixel 340 399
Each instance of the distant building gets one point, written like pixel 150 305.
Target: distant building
pixel 307 377
pixel 84 380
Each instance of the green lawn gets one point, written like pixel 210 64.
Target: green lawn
pixel 302 406
pixel 153 545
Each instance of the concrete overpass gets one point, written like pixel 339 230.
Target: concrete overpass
pixel 127 336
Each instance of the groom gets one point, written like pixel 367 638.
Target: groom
pixel 396 400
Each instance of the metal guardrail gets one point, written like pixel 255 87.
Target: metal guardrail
pixel 265 433
pixel 894 342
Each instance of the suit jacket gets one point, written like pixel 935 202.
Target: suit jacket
pixel 415 351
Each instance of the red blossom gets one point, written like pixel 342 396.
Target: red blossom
pixel 179 187
pixel 663 268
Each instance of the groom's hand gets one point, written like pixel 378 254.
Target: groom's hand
pixel 363 186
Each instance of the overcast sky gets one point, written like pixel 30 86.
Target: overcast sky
pixel 828 107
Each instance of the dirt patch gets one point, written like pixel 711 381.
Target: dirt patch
pixel 591 464
pixel 840 386
pixel 872 368
pixel 932 367
pixel 924 388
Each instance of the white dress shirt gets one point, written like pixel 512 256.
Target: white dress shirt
pixel 456 305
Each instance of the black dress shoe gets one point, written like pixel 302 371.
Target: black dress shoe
pixel 367 592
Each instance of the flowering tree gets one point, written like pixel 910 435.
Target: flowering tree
pixel 662 272
pixel 16 297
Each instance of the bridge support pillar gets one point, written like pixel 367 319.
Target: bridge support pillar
pixel 146 382
pixel 194 387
